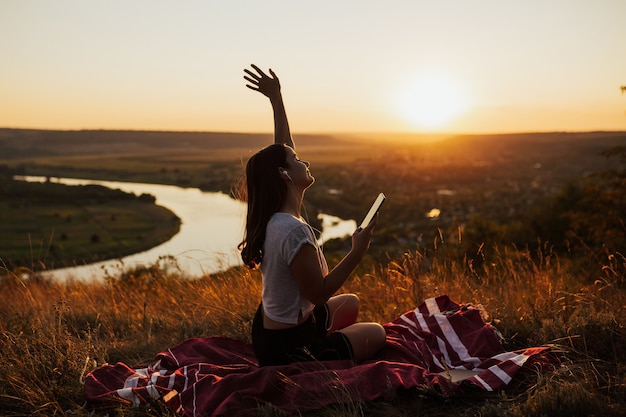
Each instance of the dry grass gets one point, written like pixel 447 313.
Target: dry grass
pixel 52 334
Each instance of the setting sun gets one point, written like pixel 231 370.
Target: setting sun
pixel 431 103
pixel 429 67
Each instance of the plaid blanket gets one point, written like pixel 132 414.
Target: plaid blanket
pixel 440 345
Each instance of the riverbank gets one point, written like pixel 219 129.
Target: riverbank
pixel 53 225
pixel 211 226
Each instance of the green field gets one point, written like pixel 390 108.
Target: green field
pixel 48 225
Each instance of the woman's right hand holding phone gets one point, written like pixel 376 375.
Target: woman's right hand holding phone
pixel 362 236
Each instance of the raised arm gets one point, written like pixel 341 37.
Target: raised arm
pixel 269 86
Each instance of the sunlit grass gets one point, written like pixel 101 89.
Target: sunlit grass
pixel 52 334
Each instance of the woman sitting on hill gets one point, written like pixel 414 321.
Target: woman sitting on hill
pixel 298 318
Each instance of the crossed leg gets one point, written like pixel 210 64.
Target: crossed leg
pixel 366 338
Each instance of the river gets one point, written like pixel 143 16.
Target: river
pixel 211 228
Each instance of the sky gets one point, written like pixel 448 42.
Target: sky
pixel 446 66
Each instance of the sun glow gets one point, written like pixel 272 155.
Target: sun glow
pixel 431 103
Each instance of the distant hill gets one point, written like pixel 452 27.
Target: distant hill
pixel 31 143
pixel 18 143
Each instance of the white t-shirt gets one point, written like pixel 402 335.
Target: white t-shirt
pixel 282 300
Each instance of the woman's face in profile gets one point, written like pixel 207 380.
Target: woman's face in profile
pixel 298 170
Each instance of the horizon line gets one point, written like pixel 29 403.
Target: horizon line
pixel 343 132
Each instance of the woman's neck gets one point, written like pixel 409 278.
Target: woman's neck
pixel 292 203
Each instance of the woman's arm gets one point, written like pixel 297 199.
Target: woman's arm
pixel 269 86
pixel 307 271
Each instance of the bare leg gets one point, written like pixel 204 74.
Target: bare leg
pixel 366 338
pixel 343 310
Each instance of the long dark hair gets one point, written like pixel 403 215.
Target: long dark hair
pixel 265 193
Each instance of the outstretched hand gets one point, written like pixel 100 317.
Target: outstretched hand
pixel 268 85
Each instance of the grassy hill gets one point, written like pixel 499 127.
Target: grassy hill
pixel 52 334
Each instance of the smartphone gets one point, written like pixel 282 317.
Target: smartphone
pixel 373 210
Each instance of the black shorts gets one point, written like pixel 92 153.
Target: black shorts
pixel 307 341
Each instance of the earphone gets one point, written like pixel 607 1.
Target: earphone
pixel 286 174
